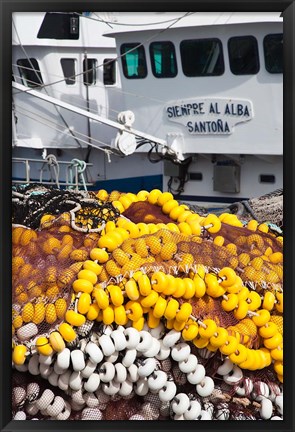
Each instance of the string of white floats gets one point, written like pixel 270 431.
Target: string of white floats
pixel 126 362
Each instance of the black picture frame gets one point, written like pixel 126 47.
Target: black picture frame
pixel 7 7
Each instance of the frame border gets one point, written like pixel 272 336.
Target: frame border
pixel 287 7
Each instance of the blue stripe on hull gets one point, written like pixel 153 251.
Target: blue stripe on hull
pixel 132 184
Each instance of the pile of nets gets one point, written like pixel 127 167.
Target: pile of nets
pixel 136 307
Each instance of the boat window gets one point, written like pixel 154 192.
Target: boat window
pixel 202 57
pixel 89 71
pixel 61 25
pixel 163 59
pixel 30 72
pixel 109 71
pixel 69 70
pixel 133 61
pixel 273 53
pixel 243 55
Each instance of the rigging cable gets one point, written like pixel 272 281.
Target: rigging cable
pixel 115 58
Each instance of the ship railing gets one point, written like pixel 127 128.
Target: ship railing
pixel 59 173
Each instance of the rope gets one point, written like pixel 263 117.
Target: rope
pixel 52 163
pixel 80 167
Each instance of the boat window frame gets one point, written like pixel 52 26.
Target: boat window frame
pixel 124 62
pixel 69 81
pixel 23 70
pixel 93 71
pixel 112 63
pixel 152 59
pixel 206 75
pixel 256 48
pixel 264 53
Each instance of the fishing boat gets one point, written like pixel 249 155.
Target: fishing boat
pixel 135 306
pixel 99 97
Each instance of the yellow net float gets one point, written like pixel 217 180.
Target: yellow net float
pixel 108 315
pixel 153 196
pixel 120 316
pixel 163 198
pixel 93 312
pixel 39 313
pixel 266 354
pixel 228 277
pixel 253 300
pixel 159 307
pixel 50 313
pixel 279 303
pixel 100 255
pixel 184 312
pixel 74 318
pixel 200 286
pixel 67 332
pixel 190 331
pixel 171 286
pixel 268 330
pixel 175 212
pixel 180 288
pixel 92 266
pixel 183 216
pixel 185 228
pixel 200 342
pixel 240 354
pixel 116 295
pixel 171 309
pixel 17 322
pixel 28 313
pixel 150 299
pixel 212 284
pixel 219 338
pixel 131 290
pixel 251 362
pixel 84 303
pixel 134 310
pixel 277 353
pixel 242 310
pixel 88 275
pixel 178 326
pixel 169 205
pixel 211 223
pixel 56 341
pixel 109 243
pixel 152 321
pixel 139 324
pixel 43 346
pixel 229 346
pixel 273 342
pixel 142 195
pixel 101 298
pixel 190 288
pixel 230 302
pixel 261 318
pixel 19 354
pixel 208 328
pixel 159 281
pixel 82 285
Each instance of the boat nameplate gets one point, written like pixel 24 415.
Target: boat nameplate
pixel 206 116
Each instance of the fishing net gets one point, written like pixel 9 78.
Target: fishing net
pixel 267 207
pixel 130 245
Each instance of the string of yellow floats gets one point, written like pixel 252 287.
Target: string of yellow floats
pixel 114 286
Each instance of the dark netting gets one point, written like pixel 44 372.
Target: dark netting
pixel 31 203
pixel 146 212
